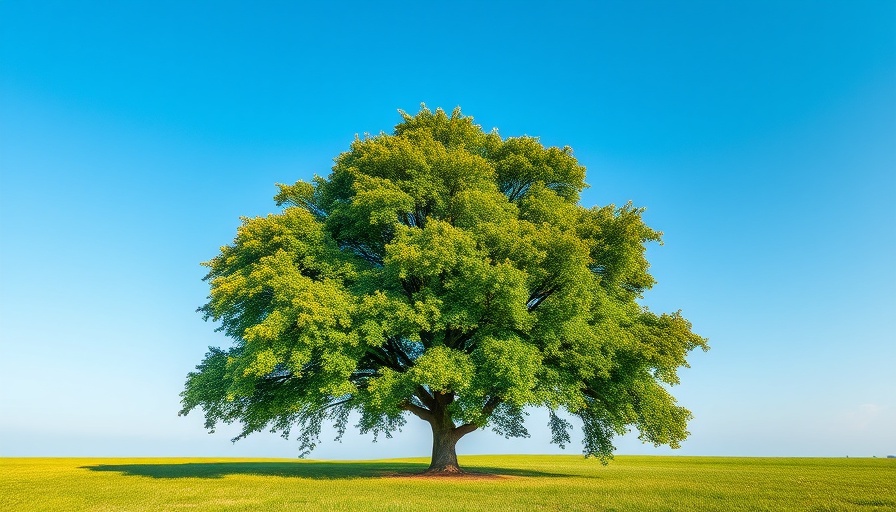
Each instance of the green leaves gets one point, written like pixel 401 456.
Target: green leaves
pixel 443 370
pixel 509 368
pixel 521 162
pixel 450 273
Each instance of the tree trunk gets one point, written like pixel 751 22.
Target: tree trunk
pixel 444 454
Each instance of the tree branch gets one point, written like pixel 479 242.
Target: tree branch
pixel 336 403
pixel 538 297
pixel 381 357
pixel 425 396
pixel 421 412
pixel 401 357
pixel 455 338
pixel 363 252
pixel 487 411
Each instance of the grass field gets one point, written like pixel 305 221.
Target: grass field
pixel 540 482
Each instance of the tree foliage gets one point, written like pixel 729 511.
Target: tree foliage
pixel 448 273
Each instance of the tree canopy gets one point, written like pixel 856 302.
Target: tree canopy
pixel 448 273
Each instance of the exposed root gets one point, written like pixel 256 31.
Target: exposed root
pixel 445 471
pixel 449 474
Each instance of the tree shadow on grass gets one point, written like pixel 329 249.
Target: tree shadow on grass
pixel 298 469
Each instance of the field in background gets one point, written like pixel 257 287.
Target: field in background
pixel 518 482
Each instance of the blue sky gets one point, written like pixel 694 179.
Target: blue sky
pixel 761 136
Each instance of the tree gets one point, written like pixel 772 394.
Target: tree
pixel 447 273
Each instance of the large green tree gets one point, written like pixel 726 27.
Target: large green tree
pixel 448 273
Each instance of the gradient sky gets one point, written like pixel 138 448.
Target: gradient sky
pixel 761 136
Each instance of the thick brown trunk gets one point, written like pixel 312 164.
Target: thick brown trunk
pixel 444 433
pixel 444 454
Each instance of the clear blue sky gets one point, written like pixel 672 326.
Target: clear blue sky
pixel 761 136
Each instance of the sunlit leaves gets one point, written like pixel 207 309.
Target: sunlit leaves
pixel 521 162
pixel 509 367
pixel 443 370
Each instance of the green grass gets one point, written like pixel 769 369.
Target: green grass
pixel 540 482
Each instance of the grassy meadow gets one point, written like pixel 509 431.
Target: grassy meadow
pixel 518 482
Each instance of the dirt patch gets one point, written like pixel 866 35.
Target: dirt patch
pixel 464 476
